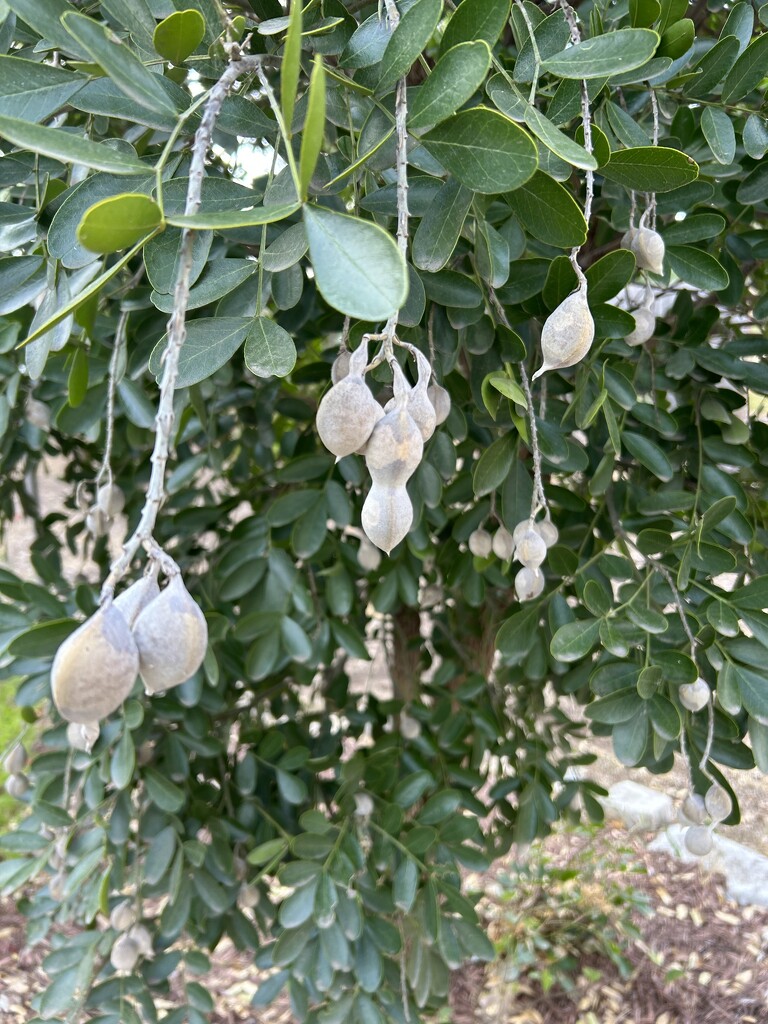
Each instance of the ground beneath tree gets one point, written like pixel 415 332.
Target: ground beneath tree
pixel 702 960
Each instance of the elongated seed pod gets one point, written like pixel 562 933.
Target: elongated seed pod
pixel 95 668
pixel 568 333
pixel 142 936
pixel 441 402
pixel 521 529
pixel 368 557
pixel 419 406
pixel 133 600
pixel 340 367
pixel 387 516
pixel 16 760
pixel 694 696
pixel 348 412
pixel 396 446
pixel 529 583
pixel 503 544
pixel 171 635
pixel 480 543
pixel 645 325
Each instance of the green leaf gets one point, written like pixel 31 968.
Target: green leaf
pixel 549 212
pixel 123 761
pixel 455 78
pixel 358 268
pixel 405 884
pixel 712 67
pixel 574 640
pixel 608 275
pixel 266 852
pixel 367 43
pixel 412 788
pixel 408 40
pixel 210 343
pixel 32 91
pixel 162 792
pixel 697 268
pixel 212 894
pixel 159 855
pixel 754 692
pixel 42 640
pixel 314 126
pixel 223 220
pixel 269 349
pixel 677 39
pixel 484 149
pixel 118 222
pixel 612 54
pixel 77 382
pixel 476 20
pixel 694 228
pixel 755 136
pixel 118 61
pixel 651 169
pixel 619 706
pixel 558 142
pixel 68 148
pixel 179 35
pixel 440 228
pixel 221 277
pixel 493 465
pixel 748 71
pixel 291 65
pixel 649 454
pixel 720 134
pixel 754 188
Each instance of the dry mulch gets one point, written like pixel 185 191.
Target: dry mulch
pixel 702 960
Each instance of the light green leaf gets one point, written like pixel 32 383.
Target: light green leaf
pixel 476 20
pixel 291 66
pixel 440 227
pixel 68 148
pixel 651 168
pixel 455 78
pixel 269 349
pixel 748 71
pixel 32 91
pixel 549 212
pixel 697 268
pixel 612 54
pixel 118 61
pixel 720 134
pixel 314 126
pixel 223 220
pixel 118 222
pixel 210 343
pixel 484 149
pixel 408 40
pixel 358 267
pixel 179 35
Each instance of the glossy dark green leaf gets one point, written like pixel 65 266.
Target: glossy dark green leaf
pixel 408 40
pixel 476 19
pixel 747 72
pixel 611 54
pixel 574 640
pixel 493 465
pixel 405 884
pixel 123 761
pixel 697 267
pixel 549 212
pixel 454 79
pixel 720 134
pixel 440 227
pixel 651 168
pixel 269 349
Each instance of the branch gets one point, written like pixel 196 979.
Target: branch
pixel 586 121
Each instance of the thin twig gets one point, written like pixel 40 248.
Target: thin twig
pixel 177 332
pixel 105 469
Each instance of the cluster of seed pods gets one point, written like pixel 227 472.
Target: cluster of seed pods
pixel 528 544
pixel 14 764
pixel 99 514
pixel 391 438
pixel 701 815
pixel 160 635
pixel 134 940
pixel 648 248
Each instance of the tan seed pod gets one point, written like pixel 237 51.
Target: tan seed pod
pixel 648 247
pixel 441 402
pixel 95 668
pixel 123 916
pixel 15 760
pixel 172 636
pixel 694 696
pixel 57 886
pixel 531 550
pixel 340 366
pixel 17 785
pixel 125 954
pixel 133 600
pixel 503 544
pixel 142 936
pixel 645 325
pixel 694 809
pixel 548 532
pixel 568 333
pixel 348 412
pixel 387 515
pixel 368 557
pixel 96 523
pixel 110 500
pixel 480 543
pixel 394 449
pixel 529 583
pixel 718 803
pixel 698 840
pixel 82 736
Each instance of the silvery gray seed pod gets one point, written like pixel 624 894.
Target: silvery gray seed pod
pixel 136 597
pixel 529 583
pixel 410 727
pixel 530 549
pixel 419 405
pixel 124 955
pixel 364 805
pixel 141 935
pixel 503 544
pixel 368 557
pixel 718 803
pixel 17 785
pixel 694 696
pixel 348 412
pixel 110 500
pixel 123 916
pixel 568 333
pixel 172 636
pixel 694 809
pixel 698 840
pixel 340 366
pixel 394 450
pixel 480 543
pixel 95 668
pixel 387 516
pixel 645 325
pixel 648 247
pixel 441 402
pixel 96 523
pixel 38 414
pixel 15 760
pixel 521 529
pixel 82 736
pixel 548 532
pixel 248 897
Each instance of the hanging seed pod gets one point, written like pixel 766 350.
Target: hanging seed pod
pixel 60 848
pixel 136 598
pixel 387 515
pixel 717 802
pixel 17 785
pixel 96 523
pixel 125 954
pixel 248 897
pixel 521 529
pixel 364 805
pixel 172 636
pixel 503 544
pixel 548 532
pixel 410 728
pixel 645 325
pixel 110 500
pixel 698 840
pixel 529 583
pixel 82 736
pixel 143 939
pixel 340 366
pixel 368 557
pixel 422 410
pixel 95 668
pixel 394 449
pixel 694 809
pixel 480 543
pixel 348 412
pixel 628 238
pixel 568 333
pixel 15 760
pixel 531 550
pixel 38 414
pixel 57 886
pixel 648 247
pixel 441 402
pixel 694 696
pixel 123 916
